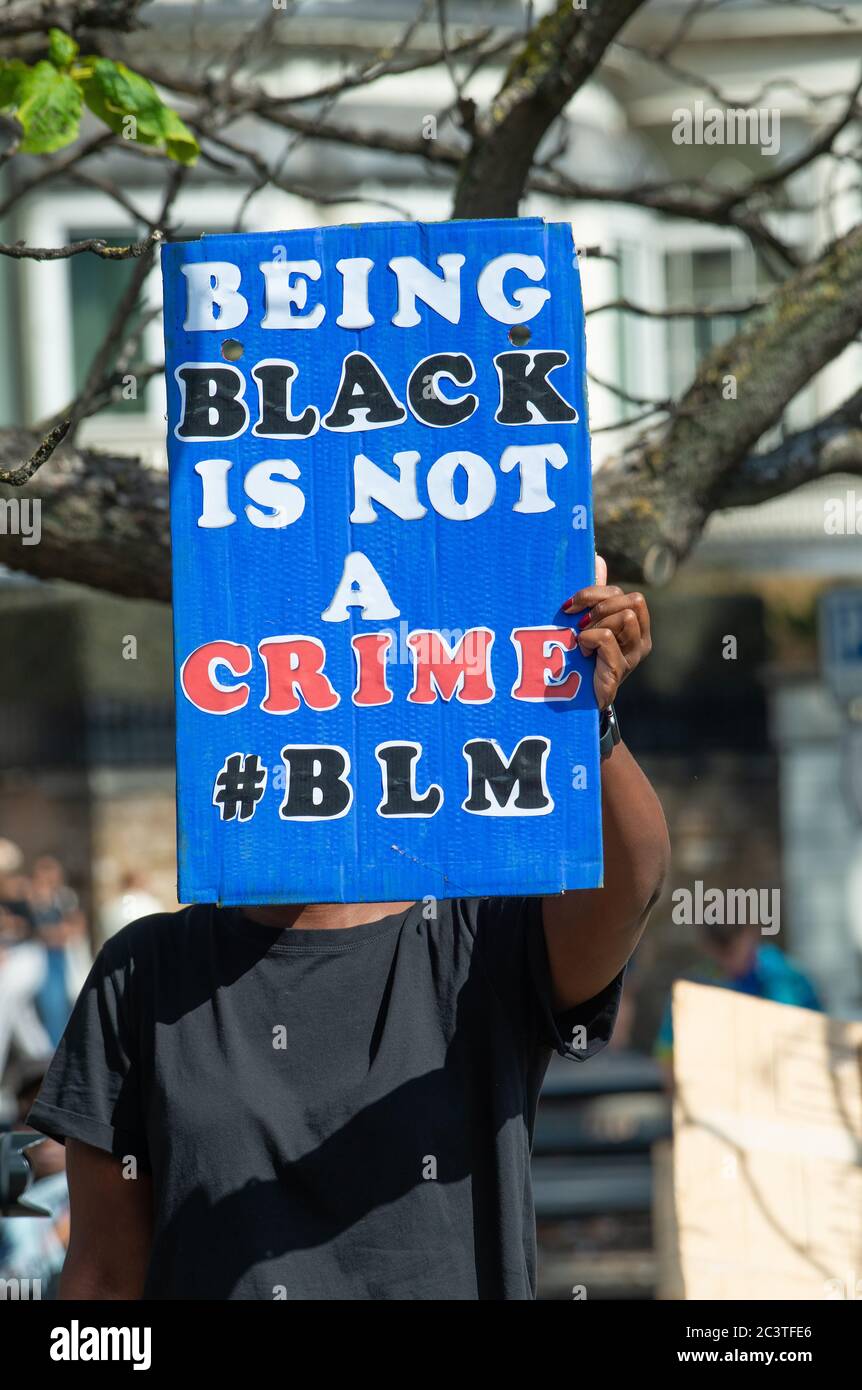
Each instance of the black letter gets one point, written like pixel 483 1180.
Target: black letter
pixel 399 782
pixel 273 384
pixel 317 785
pixel 210 387
pixel 523 383
pixel 526 769
pixel 363 388
pixel 426 404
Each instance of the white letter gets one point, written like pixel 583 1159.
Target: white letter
pixel 532 459
pixel 354 304
pixel 489 288
pixel 287 502
pixel 213 475
pixel 399 494
pixel 281 294
pixel 481 485
pixel 371 595
pixel 418 281
pixel 681 133
pixel 60 1338
pixel 212 283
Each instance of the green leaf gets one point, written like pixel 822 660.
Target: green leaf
pixel 49 109
pixel 180 144
pixel 130 106
pixel 11 72
pixel 61 48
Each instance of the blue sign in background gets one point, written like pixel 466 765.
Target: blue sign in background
pixel 501 570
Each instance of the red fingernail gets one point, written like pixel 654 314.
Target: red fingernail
pixel 584 620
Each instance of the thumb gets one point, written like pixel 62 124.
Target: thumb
pixel 601 571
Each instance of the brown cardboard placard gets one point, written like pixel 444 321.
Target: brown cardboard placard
pixel 767 1148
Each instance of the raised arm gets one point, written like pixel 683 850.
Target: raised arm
pixel 591 934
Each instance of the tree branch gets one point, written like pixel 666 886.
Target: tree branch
pixel 833 445
pixel 652 501
pixel 104 520
pixel 557 57
pixel 18 251
pixel 37 16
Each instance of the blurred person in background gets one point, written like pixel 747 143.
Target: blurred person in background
pixel 51 898
pixel 737 958
pixel 134 900
pixel 34 1247
pixel 16 916
pixel 68 961
pixel 61 928
pixel 22 963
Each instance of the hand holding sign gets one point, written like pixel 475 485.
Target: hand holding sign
pixel 615 627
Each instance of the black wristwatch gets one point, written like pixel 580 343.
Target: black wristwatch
pixel 609 732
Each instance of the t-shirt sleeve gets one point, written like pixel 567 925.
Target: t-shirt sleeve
pixel 510 939
pixel 92 1089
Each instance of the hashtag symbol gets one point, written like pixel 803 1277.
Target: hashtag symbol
pixel 239 786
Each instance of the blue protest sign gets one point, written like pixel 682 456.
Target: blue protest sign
pixel 380 498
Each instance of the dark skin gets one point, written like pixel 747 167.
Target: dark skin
pixel 590 935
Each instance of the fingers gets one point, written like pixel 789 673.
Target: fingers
pixel 605 609
pixel 611 664
pixel 625 627
pixel 593 593
pixel 614 627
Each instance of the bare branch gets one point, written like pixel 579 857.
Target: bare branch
pixel 55 168
pixel 711 311
pixel 37 16
pixel 18 251
pixel 652 501
pixel 104 520
pixel 834 445
pixel 814 150
pixel 557 57
pixel 17 477
pixel 655 405
pixel 128 301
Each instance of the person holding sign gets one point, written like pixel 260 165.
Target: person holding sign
pixel 376 1143
pixel 417 854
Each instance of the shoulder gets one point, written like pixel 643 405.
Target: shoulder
pixel 141 940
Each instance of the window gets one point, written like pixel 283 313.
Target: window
pixel 96 287
pixel 628 377
pixel 703 278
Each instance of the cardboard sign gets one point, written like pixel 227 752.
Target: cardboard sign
pixel 767 1133
pixel 380 499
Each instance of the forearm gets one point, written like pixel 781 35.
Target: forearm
pixel 635 841
pixel 591 934
pixel 83 1281
pixel 111 1227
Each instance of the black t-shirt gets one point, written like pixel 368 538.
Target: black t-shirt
pixel 326 1114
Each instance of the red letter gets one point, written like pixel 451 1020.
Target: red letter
pixel 200 684
pixel 540 654
pixel 291 663
pixel 370 650
pixel 463 671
